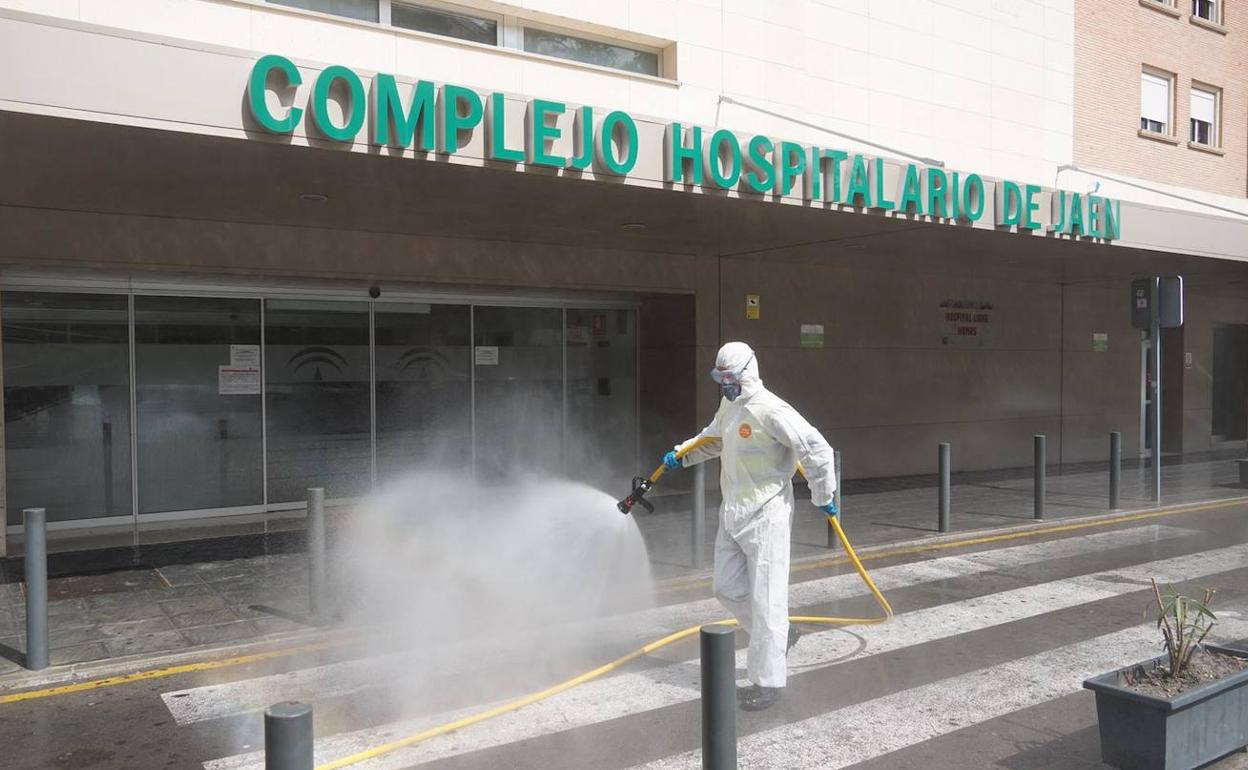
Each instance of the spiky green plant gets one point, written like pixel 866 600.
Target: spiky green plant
pixel 1184 622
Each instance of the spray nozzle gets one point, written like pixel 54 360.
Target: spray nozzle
pixel 640 487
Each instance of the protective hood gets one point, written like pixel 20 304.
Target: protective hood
pixel 737 361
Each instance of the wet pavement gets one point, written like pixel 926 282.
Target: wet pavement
pixel 144 610
pixel 980 668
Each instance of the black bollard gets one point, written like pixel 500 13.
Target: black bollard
pixel 288 736
pixel 1115 470
pixel 35 557
pixel 943 520
pixel 1038 488
pixel 719 698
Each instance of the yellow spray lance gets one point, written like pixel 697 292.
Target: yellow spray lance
pixel 637 496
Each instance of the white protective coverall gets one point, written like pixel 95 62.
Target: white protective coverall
pixel 762 439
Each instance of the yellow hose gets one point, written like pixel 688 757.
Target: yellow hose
pixel 607 668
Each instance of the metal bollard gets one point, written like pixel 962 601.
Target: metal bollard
pixel 1115 469
pixel 35 556
pixel 698 525
pixel 316 551
pixel 836 496
pixel 943 521
pixel 719 698
pixel 288 736
pixel 1038 485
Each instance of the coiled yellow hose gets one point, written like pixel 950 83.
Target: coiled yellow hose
pixel 607 668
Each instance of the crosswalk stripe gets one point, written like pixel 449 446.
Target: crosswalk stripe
pixel 342 678
pixel 871 729
pixel 632 693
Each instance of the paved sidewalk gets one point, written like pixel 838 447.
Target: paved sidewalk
pixel 146 610
pixel 881 511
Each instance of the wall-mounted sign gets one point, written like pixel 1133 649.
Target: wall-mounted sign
pixel 965 321
pixel 431 118
pixel 244 355
pixel 599 324
pixel 1100 342
pixel 238 380
pixel 486 355
pixel 751 307
pixel 812 335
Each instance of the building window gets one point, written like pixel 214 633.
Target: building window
pixel 604 54
pixel 1204 115
pixel 1205 9
pixel 1154 103
pixel 364 10
pixel 445 22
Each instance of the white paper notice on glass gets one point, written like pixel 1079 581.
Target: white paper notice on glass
pixel 238 380
pixel 487 355
pixel 244 355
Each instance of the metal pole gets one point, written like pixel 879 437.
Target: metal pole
pixel 316 550
pixel 288 736
pixel 1156 351
pixel 944 488
pixel 698 528
pixel 36 559
pixel 1039 478
pixel 1115 469
pixel 719 700
pixel 836 496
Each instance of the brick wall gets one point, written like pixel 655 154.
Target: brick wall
pixel 1114 40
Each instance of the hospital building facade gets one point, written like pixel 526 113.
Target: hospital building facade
pixel 253 247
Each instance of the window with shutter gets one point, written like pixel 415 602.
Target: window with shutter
pixel 1204 115
pixel 1154 103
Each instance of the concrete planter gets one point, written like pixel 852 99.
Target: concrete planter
pixel 1143 732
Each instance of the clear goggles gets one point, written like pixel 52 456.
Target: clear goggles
pixel 730 376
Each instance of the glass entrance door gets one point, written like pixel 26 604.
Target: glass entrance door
pixel 198 429
pixel 238 404
pixel 317 399
pixel 601 434
pixel 518 392
pixel 424 394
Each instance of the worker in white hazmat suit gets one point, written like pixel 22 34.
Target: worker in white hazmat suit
pixel 761 439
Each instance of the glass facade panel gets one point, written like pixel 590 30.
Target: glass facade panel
pixel 459 25
pixel 424 403
pixel 66 404
pixel 364 10
pixel 566 46
pixel 198 408
pixel 519 392
pixel 602 394
pixel 317 398
pixel 524 390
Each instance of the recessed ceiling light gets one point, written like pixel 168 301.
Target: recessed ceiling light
pixel 313 197
pixel 634 225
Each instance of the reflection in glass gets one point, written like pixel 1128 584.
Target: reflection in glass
pixel 435 22
pixel 602 394
pixel 590 51
pixel 198 421
pixel 317 395
pixel 66 404
pixel 364 10
pixel 424 406
pixel 519 392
